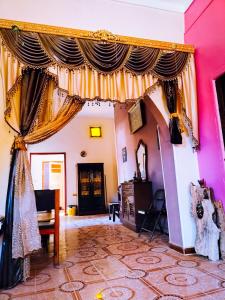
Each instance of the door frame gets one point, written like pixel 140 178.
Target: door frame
pixel 65 176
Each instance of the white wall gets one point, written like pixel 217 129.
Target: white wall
pixel 186 168
pixel 6 138
pixel 73 139
pixel 186 165
pixel 119 18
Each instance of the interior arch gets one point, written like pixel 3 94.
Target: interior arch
pixel 169 173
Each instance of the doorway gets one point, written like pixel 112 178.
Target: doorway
pixel 48 171
pixel 91 193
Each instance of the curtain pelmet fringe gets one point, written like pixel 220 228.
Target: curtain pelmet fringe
pixel 10 94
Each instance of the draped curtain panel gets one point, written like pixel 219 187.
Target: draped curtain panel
pixel 23 235
pixel 11 269
pixel 37 119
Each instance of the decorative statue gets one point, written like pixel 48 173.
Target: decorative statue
pixel 207 233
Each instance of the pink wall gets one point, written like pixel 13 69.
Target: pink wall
pixel 125 139
pixel 205 29
pixel 148 135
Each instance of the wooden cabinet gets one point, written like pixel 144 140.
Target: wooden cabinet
pixel 134 196
pixel 91 193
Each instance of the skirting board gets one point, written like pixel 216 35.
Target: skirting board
pixel 190 250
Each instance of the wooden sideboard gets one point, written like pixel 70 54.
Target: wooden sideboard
pixel 134 196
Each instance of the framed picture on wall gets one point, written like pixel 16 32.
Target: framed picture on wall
pixel 124 154
pixel 136 116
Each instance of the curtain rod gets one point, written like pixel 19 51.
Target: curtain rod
pixel 99 35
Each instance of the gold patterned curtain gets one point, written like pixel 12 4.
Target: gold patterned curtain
pixel 55 111
pixel 188 101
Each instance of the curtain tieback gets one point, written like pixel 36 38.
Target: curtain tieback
pixel 181 125
pixel 174 115
pixel 19 143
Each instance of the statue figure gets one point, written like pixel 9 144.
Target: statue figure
pixel 207 233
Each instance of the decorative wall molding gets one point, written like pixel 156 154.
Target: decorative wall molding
pixel 102 35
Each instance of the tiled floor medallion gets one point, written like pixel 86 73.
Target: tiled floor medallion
pixel 118 292
pixel 135 274
pixel 117 256
pixel 181 279
pixel 72 286
pixel 188 263
pixel 158 249
pixel 148 259
pixel 38 279
pixel 90 270
pixel 118 239
pixel 128 247
pixel 4 296
pixel 221 266
pixel 222 284
pixel 87 245
pixel 65 264
pixel 84 254
pixel 169 297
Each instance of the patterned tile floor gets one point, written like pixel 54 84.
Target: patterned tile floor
pixel 101 257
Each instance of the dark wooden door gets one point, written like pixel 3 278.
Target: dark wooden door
pixel 91 194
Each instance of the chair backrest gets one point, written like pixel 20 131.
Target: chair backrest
pixel 159 200
pixel 45 200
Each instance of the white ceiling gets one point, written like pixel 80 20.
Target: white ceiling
pixel 172 5
pixel 105 110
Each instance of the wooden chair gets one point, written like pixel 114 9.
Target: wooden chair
pixel 48 222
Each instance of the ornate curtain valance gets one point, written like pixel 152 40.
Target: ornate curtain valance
pixel 102 69
pixel 40 50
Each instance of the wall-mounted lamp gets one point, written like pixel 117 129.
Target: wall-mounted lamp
pixel 95 131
